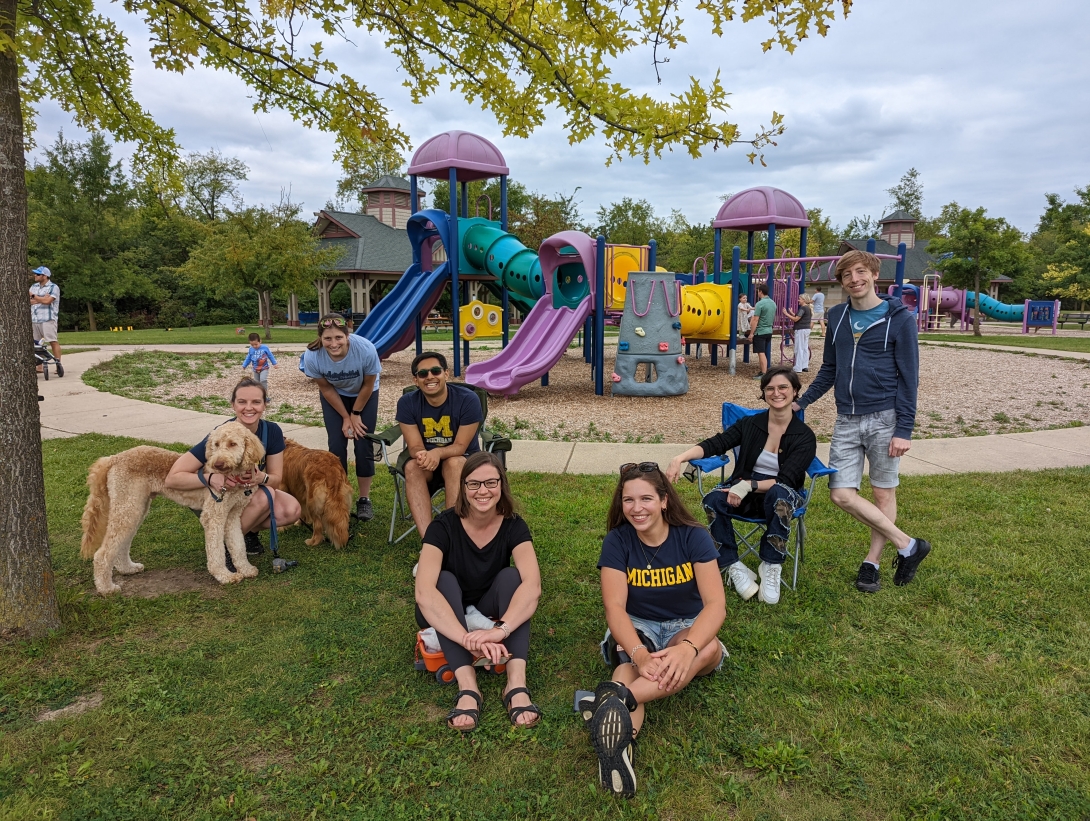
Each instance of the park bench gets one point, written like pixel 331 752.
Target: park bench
pixel 437 322
pixel 1071 316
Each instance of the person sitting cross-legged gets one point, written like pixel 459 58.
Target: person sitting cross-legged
pixel 439 423
pixel 774 450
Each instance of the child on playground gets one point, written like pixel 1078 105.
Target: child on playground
pixel 260 357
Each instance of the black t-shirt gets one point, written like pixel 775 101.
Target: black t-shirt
pixel 438 426
pixel 475 567
pixel 668 589
pixel 274 442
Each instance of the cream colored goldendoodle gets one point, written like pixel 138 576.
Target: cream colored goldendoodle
pixel 122 487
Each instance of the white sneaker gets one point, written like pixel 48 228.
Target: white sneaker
pixel 770 582
pixel 743 579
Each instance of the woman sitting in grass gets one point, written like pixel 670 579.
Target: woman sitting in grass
pixel 664 605
pixel 466 560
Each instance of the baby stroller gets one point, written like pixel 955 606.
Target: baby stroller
pixel 43 358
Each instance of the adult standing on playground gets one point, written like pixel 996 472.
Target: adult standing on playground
pixel 819 308
pixel 801 321
pixel 760 328
pixel 346 367
pixel 872 362
pixel 45 308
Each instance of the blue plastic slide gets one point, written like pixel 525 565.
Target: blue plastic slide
pixel 995 309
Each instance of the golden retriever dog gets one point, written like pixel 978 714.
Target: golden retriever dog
pixel 122 487
pixel 317 480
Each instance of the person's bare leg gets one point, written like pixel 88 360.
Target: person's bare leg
pixel 865 512
pixel 516 677
pixel 416 491
pixel 452 478
pixel 885 499
pixel 56 348
pixel 762 362
pixel 364 483
pixel 467 680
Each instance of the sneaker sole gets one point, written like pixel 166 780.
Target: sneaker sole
pixel 612 733
pixel 866 588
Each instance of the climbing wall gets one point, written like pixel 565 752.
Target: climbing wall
pixel 650 361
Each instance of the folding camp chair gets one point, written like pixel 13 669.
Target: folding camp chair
pixel 384 442
pixel 748 531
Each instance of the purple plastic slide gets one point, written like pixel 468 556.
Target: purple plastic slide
pixel 535 349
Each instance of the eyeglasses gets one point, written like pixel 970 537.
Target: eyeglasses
pixel 642 467
pixel 434 370
pixel 473 484
pixel 333 322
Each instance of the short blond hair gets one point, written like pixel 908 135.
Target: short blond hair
pixel 805 299
pixel 855 257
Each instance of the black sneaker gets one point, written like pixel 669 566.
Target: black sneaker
pixel 867 580
pixel 589 705
pixel 364 511
pixel 611 730
pixel 253 544
pixel 904 569
pixel 59 367
pixel 230 564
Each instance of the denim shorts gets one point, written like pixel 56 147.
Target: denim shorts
pixel 856 436
pixel 662 633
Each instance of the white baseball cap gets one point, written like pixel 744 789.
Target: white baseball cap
pixel 43 271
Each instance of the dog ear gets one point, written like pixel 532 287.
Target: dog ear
pixel 254 453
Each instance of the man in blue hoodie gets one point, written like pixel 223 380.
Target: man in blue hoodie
pixel 872 362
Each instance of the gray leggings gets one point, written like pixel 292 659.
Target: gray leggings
pixel 493 604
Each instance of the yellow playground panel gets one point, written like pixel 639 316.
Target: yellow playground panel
pixel 476 320
pixel 621 260
pixel 705 312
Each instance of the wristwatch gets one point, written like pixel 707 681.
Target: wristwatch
pixel 753 485
pixel 503 626
pixel 357 413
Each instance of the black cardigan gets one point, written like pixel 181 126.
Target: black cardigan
pixel 798 447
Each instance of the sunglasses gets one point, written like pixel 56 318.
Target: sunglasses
pixel 434 370
pixel 642 467
pixel 333 323
pixel 473 484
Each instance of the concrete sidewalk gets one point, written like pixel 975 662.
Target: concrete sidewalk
pixel 72 407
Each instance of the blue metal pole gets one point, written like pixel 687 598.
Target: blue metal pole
pixel 504 299
pixel 413 195
pixel 653 256
pixel 902 250
pixel 600 318
pixel 735 284
pixel 456 323
pixel 749 268
pixel 465 200
pixel 452 255
pixel 717 262
pixel 771 255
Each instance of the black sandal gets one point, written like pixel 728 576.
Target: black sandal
pixel 514 712
pixel 473 712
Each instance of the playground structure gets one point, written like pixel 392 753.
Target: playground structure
pixel 576 284
pixel 931 301
pixel 650 338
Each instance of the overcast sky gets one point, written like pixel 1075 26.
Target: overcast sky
pixel 988 99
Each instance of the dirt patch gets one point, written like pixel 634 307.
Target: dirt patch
pixel 434 713
pixel 153 583
pixel 264 759
pixel 81 705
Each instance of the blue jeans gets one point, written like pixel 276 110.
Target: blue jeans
pixel 776 507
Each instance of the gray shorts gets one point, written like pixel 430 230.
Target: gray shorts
pixel 45 331
pixel 863 435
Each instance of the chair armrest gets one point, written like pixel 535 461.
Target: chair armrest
pixel 386 437
pixel 495 444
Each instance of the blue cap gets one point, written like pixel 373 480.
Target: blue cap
pixel 43 271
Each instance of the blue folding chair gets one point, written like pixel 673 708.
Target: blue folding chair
pixel 748 531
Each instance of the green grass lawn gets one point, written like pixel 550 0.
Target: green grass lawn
pixel 204 335
pixel 1055 343
pixel 963 695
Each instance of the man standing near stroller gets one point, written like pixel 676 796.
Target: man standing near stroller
pixel 45 306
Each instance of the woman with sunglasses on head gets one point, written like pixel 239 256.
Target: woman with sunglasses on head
pixel 466 560
pixel 775 448
pixel 346 367
pixel 664 605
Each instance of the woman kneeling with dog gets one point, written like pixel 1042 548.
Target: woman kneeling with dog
pixel 466 558
pixel 664 605
pixel 248 403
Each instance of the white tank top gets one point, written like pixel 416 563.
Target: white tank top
pixel 767 463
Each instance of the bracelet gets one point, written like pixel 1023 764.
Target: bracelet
pixel 686 641
pixel 632 652
pixel 265 478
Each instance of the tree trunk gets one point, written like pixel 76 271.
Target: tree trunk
pixel 28 603
pixel 976 311
pixel 266 300
pixel 91 316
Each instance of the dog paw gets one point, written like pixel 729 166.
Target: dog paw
pixel 129 569
pixel 109 591
pixel 228 578
pixel 248 571
pixel 314 541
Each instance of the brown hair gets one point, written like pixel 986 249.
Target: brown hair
pixel 675 515
pixel 315 344
pixel 505 505
pixel 855 257
pixel 249 383
pixel 780 370
pixel 254 337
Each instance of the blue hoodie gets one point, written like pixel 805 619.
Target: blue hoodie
pixel 881 372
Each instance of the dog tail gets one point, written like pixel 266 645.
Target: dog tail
pixel 97 510
pixel 336 516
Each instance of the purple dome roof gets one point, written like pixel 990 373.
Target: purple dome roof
pixel 474 157
pixel 756 208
